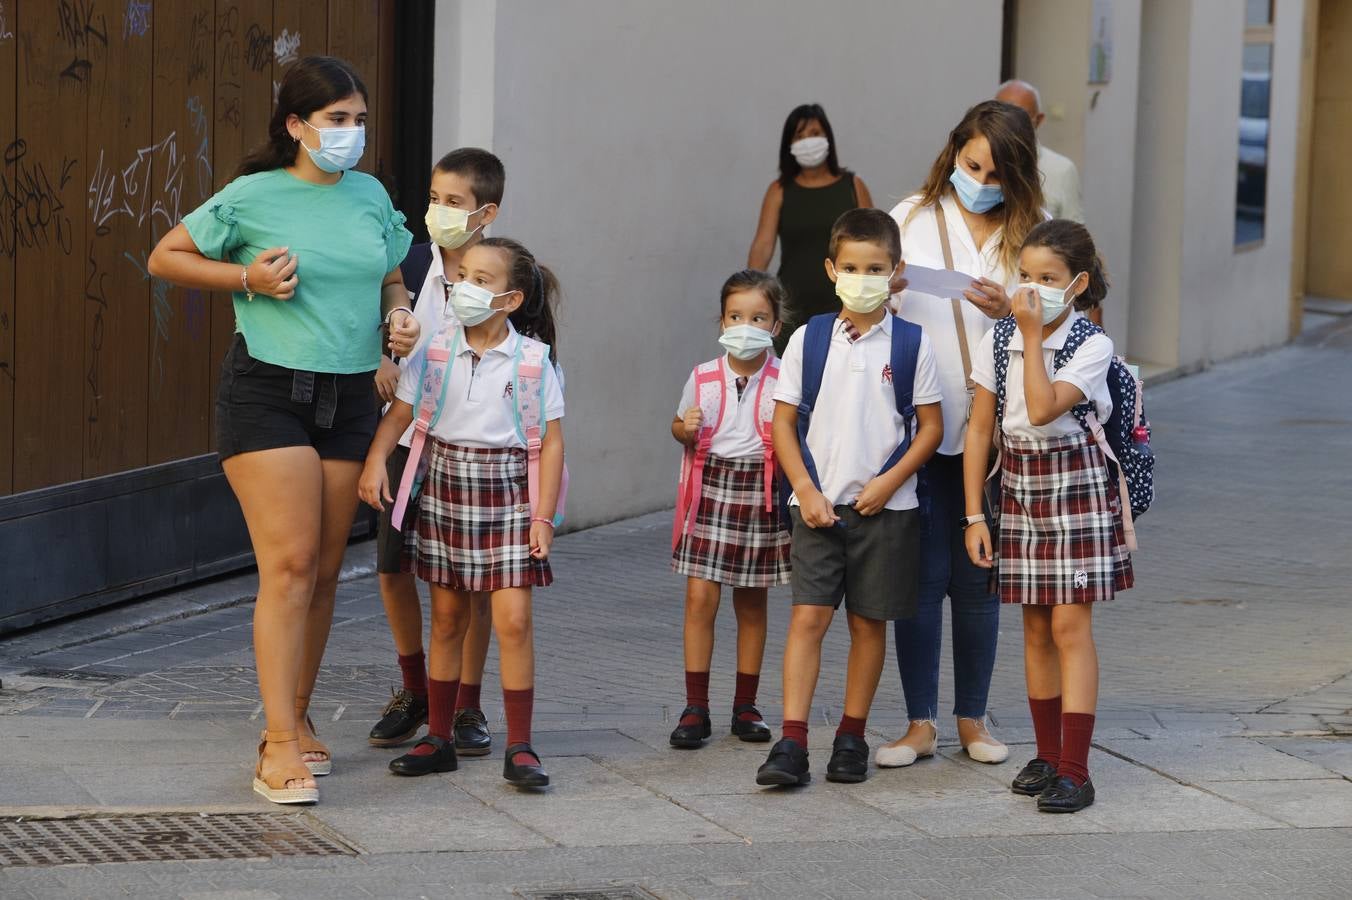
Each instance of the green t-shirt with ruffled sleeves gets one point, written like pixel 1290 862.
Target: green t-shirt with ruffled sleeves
pixel 347 237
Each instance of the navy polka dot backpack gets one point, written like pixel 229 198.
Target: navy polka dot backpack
pixel 1125 437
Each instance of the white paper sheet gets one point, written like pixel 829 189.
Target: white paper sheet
pixel 939 282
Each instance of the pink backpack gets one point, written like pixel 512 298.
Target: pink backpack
pixel 710 380
pixel 528 396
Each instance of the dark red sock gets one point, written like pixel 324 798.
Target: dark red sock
pixel 851 725
pixel 1077 731
pixel 440 713
pixel 796 730
pixel 1047 728
pixel 468 697
pixel 414 669
pixel 696 694
pixel 697 689
pixel 517 707
pixel 745 694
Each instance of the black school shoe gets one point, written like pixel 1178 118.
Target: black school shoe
pixel 849 760
pixel 689 737
pixel 786 765
pixel 471 733
pixel 443 760
pixel 401 718
pixel 1033 778
pixel 530 776
pixel 1064 796
pixel 753 731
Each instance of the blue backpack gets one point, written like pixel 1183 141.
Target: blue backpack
pixel 905 356
pixel 1127 432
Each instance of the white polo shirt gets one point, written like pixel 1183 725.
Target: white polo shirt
pixel 1060 185
pixel 855 424
pixel 920 245
pixel 1086 370
pixel 736 437
pixel 480 410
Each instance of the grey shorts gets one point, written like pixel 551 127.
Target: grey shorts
pixel 390 540
pixel 870 562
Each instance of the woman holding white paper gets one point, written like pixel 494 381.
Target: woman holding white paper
pixel 981 198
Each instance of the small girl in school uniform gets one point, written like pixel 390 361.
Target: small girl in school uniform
pixel 1062 544
pixel 484 518
pixel 728 528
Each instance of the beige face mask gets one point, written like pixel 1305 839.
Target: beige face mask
pixel 448 226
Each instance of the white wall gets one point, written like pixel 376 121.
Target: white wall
pixel 639 140
pixel 1234 302
pixel 1094 125
pixel 1107 174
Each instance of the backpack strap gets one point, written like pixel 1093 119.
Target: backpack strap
pixel 958 323
pixel 1082 330
pixel 765 422
pixel 711 397
pixel 905 358
pixel 414 269
pixel 528 404
pixel 437 356
pixel 816 346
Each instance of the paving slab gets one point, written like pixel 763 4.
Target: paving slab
pixel 1331 753
pixel 1303 804
pixel 1198 758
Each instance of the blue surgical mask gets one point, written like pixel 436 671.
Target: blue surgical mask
pixel 1053 300
pixel 339 148
pixel 977 197
pixel 746 341
pixel 473 304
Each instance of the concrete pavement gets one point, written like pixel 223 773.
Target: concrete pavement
pixel 1223 758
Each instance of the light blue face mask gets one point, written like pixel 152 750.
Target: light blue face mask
pixel 1054 300
pixel 977 197
pixel 339 148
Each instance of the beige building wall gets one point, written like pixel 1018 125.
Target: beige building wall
pixel 1329 248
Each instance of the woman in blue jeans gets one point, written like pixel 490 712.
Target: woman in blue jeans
pixel 981 199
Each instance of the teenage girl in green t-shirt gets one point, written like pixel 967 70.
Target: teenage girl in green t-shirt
pixel 310 250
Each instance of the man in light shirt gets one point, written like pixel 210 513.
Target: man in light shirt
pixel 1060 180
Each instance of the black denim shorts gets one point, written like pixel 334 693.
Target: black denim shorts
pixel 260 406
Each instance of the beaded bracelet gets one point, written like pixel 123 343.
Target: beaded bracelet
pixel 549 522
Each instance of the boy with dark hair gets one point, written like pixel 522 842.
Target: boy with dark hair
pixel 464 198
pixel 856 416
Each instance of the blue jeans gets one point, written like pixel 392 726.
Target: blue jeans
pixel 945 570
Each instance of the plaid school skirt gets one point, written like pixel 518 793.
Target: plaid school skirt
pixel 1060 533
pixel 733 540
pixel 472 530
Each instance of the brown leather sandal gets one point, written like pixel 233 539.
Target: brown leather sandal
pixel 310 743
pixel 274 787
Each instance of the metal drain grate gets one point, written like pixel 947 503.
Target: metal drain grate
pixel 181 836
pixel 619 892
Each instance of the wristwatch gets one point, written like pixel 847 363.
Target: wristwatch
pixel 969 521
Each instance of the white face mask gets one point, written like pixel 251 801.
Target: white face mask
pixel 1053 300
pixel 746 341
pixel 472 304
pixel 339 148
pixel 862 293
pixel 447 225
pixel 810 151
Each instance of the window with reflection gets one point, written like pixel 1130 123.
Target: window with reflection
pixel 1255 96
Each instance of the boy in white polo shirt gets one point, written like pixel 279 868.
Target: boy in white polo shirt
pixel 856 517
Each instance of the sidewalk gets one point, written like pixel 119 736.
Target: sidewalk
pixel 1223 755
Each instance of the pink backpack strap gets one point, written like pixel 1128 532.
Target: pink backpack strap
pixel 436 359
pixel 765 422
pixel 711 397
pixel 1100 438
pixel 528 394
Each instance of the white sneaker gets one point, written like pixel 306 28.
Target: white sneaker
pixel 986 749
pixel 897 755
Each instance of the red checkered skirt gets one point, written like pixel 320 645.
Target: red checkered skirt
pixel 1060 534
pixel 472 531
pixel 733 540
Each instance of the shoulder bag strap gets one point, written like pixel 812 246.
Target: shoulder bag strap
pixel 957 305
